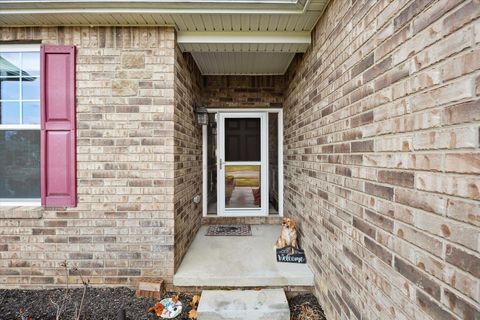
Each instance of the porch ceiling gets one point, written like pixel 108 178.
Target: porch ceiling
pixel 243 63
pixel 245 53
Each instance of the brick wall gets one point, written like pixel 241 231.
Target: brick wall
pixel 382 158
pixel 243 91
pixel 188 153
pixel 123 225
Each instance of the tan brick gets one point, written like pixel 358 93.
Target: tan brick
pixel 468 212
pixel 419 239
pixel 362 65
pixel 133 60
pixel 462 281
pixel 124 87
pixel 461 16
pixel 447 139
pixel 461 65
pixel 463 112
pixel 462 259
pixel 409 12
pixel 453 185
pixel 462 162
pixel 393 143
pixel 379 251
pixel 379 191
pixel 418 278
pixel 446 94
pixel 400 178
pixel 432 14
pixel 421 200
pixel 461 233
pixel 379 220
pixel 459 306
pixel 431 307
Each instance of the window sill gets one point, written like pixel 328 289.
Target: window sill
pixel 21 212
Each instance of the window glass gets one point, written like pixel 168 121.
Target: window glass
pixel 9 88
pixel 9 112
pixel 242 139
pixel 30 88
pixel 19 164
pixel 31 63
pixel 31 112
pixel 10 64
pixel 19 124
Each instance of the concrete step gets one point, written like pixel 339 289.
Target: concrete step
pixel 262 304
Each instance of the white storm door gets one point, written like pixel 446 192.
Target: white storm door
pixel 242 167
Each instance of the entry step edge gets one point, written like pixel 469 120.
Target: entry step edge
pixel 269 304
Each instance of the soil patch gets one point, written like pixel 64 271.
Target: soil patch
pixel 105 304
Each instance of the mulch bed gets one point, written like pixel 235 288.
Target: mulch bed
pixel 305 307
pixel 105 304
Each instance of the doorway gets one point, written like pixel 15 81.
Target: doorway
pixel 243 163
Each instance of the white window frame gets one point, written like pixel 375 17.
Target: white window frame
pixel 279 113
pixel 20 48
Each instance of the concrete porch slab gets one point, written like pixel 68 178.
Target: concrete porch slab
pixel 264 304
pixel 247 261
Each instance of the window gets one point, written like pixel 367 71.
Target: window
pixel 19 123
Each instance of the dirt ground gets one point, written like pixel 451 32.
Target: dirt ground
pixel 106 303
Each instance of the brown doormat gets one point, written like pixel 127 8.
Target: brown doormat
pixel 229 230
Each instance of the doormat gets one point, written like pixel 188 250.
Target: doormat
pixel 229 230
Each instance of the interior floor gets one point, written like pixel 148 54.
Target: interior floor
pixel 212 208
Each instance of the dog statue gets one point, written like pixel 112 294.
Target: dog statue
pixel 288 235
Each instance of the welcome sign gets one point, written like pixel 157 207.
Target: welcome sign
pixel 286 255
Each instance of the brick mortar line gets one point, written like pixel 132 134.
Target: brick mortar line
pixel 394 253
pixel 393 66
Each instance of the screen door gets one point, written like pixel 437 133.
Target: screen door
pixel 242 167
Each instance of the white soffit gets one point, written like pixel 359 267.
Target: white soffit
pixel 224 36
pixel 191 15
pixel 243 63
pixel 251 53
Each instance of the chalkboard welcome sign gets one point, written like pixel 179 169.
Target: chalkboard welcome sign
pixel 286 255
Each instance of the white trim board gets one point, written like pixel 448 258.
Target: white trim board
pixel 300 37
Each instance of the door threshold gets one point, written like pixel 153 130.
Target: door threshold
pixel 265 220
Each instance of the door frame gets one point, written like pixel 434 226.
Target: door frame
pixel 279 113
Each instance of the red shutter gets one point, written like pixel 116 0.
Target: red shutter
pixel 57 96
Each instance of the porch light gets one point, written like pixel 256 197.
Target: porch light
pixel 202 114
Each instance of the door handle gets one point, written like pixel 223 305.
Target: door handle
pixel 220 164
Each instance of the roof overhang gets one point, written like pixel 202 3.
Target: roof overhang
pixel 154 6
pixel 242 36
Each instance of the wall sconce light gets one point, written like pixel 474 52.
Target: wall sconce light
pixel 202 114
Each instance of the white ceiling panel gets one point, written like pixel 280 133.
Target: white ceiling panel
pixel 191 15
pixel 269 32
pixel 242 63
